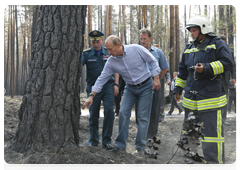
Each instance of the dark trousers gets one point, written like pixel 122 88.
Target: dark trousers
pixel 120 93
pixel 213 142
pixel 173 104
pixel 155 113
pixel 230 100
pixel 107 96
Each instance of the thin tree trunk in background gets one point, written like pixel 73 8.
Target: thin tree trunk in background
pixel 177 55
pixel 124 24
pixel 189 11
pixel 139 18
pixel 100 18
pixel 185 23
pixel 161 26
pixel 152 16
pixel 131 24
pixel 205 10
pixel 17 54
pixel 221 20
pixel 29 30
pixel 230 26
pixel 89 21
pixel 215 19
pixel 144 12
pixel 107 21
pixel 167 32
pixel 172 68
pixel 110 20
pixel 7 84
pixel 12 54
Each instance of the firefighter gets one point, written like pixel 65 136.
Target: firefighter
pixel 203 63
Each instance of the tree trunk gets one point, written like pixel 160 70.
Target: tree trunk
pixel 230 26
pixel 177 55
pixel 152 17
pixel 89 21
pixel 221 20
pixel 185 23
pixel 12 51
pixel 50 110
pixel 17 54
pixel 100 17
pixel 110 20
pixel 172 39
pixel 123 24
pixel 131 24
pixel 107 21
pixel 144 12
pixel 205 10
pixel 215 20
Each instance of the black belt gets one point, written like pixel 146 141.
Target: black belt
pixel 137 85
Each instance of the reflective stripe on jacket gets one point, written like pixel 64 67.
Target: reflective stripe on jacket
pixel 203 91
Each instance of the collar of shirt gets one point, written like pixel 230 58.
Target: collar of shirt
pixel 124 52
pixel 152 48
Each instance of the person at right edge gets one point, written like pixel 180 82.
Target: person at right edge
pixel 203 62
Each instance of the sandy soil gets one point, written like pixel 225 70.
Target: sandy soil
pixel 169 134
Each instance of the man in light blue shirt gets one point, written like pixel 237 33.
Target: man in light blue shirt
pixel 145 40
pixel 130 61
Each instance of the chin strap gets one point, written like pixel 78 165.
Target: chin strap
pixel 195 41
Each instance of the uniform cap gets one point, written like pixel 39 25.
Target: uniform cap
pixel 95 35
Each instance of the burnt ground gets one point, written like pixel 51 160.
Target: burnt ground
pixel 169 134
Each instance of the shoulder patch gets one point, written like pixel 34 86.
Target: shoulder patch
pixel 88 49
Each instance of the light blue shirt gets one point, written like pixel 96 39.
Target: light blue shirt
pixel 160 57
pixel 133 66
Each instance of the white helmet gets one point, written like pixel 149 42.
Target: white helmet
pixel 202 22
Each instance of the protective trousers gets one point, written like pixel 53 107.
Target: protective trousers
pixel 213 142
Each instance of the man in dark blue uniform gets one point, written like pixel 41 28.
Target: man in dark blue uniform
pixel 95 59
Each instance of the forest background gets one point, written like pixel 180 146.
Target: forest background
pixel 167 23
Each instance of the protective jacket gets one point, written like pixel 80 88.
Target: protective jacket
pixel 203 91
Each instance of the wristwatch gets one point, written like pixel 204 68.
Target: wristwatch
pixel 91 95
pixel 116 84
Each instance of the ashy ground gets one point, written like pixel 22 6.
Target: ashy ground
pixel 168 152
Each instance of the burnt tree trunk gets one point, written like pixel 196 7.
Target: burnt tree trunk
pixel 50 111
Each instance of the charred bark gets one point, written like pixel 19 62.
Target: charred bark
pixel 50 110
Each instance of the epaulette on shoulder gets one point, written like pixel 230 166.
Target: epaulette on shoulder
pixel 88 49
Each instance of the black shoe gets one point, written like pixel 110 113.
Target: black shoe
pixel 108 146
pixel 180 112
pixel 169 114
pixel 116 150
